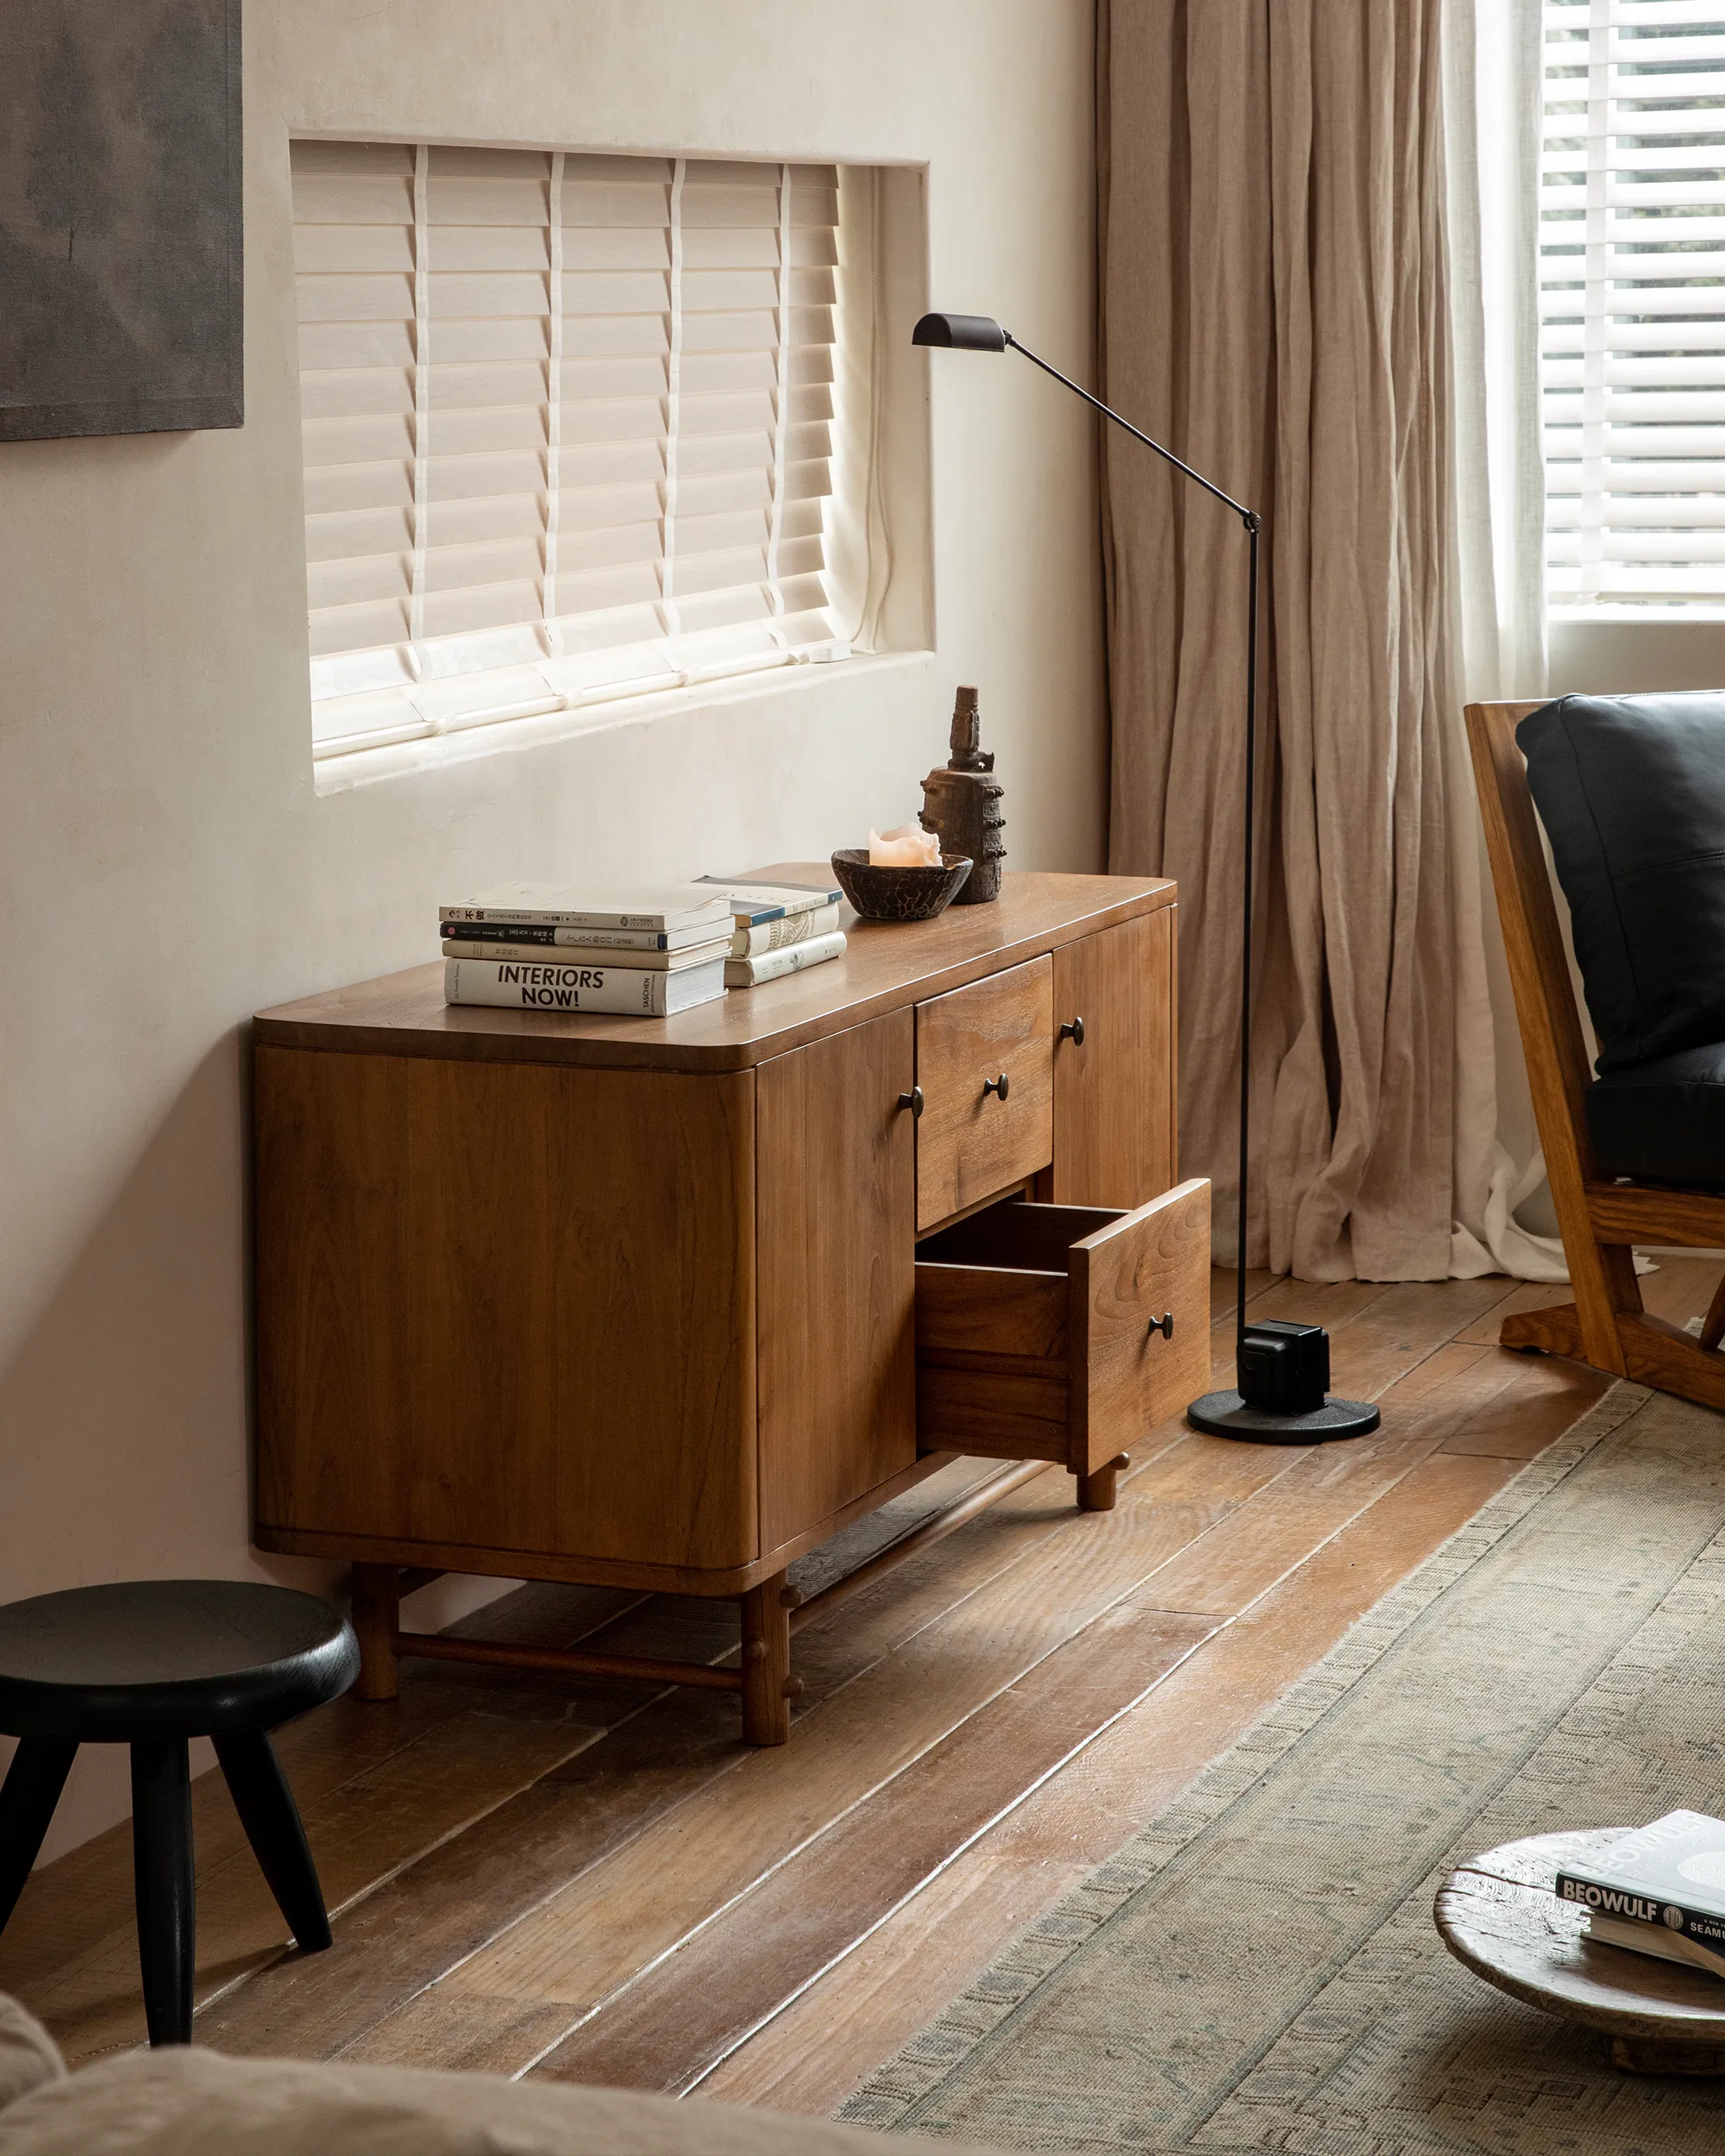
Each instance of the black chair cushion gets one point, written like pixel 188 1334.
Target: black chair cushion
pixel 1663 1122
pixel 145 1658
pixel 1631 790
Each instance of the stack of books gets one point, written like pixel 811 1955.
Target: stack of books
pixel 778 928
pixel 554 947
pixel 1660 1891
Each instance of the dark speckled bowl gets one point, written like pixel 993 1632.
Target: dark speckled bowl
pixel 898 894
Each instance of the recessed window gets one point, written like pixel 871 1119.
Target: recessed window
pixel 1632 241
pixel 576 428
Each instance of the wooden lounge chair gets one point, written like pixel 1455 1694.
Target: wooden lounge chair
pixel 1600 1220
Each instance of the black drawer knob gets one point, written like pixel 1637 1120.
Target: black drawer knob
pixel 995 1085
pixel 1073 1030
pixel 1163 1325
pixel 913 1100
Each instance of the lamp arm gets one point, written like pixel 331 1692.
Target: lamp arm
pixel 1249 517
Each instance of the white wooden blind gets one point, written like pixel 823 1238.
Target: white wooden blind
pixel 1632 236
pixel 567 428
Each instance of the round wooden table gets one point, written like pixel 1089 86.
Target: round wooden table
pixel 1499 1916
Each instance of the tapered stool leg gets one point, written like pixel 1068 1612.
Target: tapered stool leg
pixel 33 1781
pixel 161 1865
pixel 272 1821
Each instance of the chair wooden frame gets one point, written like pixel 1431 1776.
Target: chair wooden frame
pixel 1600 1221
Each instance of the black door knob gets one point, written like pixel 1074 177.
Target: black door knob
pixel 995 1085
pixel 1073 1030
pixel 913 1100
pixel 1163 1325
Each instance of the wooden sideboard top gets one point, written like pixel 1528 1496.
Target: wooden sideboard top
pixel 887 964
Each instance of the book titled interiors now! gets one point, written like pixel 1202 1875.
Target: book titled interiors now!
pixel 617 991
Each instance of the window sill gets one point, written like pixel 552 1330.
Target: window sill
pixel 1700 615
pixel 1616 658
pixel 437 752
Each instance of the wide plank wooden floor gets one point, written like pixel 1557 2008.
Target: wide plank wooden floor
pixel 601 1883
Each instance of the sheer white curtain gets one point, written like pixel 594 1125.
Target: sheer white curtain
pixel 1493 53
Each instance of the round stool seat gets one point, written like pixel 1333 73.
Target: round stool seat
pixel 168 1659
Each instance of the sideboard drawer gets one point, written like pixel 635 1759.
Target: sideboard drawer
pixel 1040 1329
pixel 985 1063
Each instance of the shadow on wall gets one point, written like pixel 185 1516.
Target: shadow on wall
pixel 124 1408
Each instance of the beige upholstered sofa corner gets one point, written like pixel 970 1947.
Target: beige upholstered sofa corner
pixel 194 2102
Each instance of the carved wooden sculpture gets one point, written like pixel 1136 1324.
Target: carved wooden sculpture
pixel 962 805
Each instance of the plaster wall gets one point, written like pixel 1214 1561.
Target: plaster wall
pixel 168 864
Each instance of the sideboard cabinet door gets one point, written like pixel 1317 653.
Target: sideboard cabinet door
pixel 1114 1106
pixel 835 1248
pixel 506 1306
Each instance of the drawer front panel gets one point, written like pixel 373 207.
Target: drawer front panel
pixel 972 1142
pixel 1126 1378
pixel 1039 1328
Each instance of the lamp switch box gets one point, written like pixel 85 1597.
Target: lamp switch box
pixel 1284 1368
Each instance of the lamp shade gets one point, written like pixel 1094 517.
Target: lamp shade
pixel 961 333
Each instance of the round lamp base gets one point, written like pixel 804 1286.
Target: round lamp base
pixel 1227 1415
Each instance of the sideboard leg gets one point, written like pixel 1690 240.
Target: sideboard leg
pixel 377 1618
pixel 1096 1492
pixel 766 1681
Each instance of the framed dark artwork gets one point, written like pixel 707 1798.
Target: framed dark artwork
pixel 120 216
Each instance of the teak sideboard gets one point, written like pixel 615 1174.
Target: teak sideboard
pixel 664 1303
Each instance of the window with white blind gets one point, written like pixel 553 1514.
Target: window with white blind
pixel 572 428
pixel 1632 241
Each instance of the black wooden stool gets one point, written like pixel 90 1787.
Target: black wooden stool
pixel 151 1664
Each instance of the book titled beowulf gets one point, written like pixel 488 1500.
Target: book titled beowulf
pixel 1667 1877
pixel 661 908
pixel 615 991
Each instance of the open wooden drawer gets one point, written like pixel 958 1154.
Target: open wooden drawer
pixel 1063 1333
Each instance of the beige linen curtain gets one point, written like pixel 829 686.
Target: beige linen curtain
pixel 1274 308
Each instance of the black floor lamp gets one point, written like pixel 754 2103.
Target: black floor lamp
pixel 1281 1370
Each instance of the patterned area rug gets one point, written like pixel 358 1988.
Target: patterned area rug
pixel 1258 1969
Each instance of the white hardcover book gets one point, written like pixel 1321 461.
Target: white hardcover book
pixel 662 907
pixel 751 900
pixel 617 991
pixel 1676 1862
pixel 750 973
pixel 599 955
pixel 791 928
